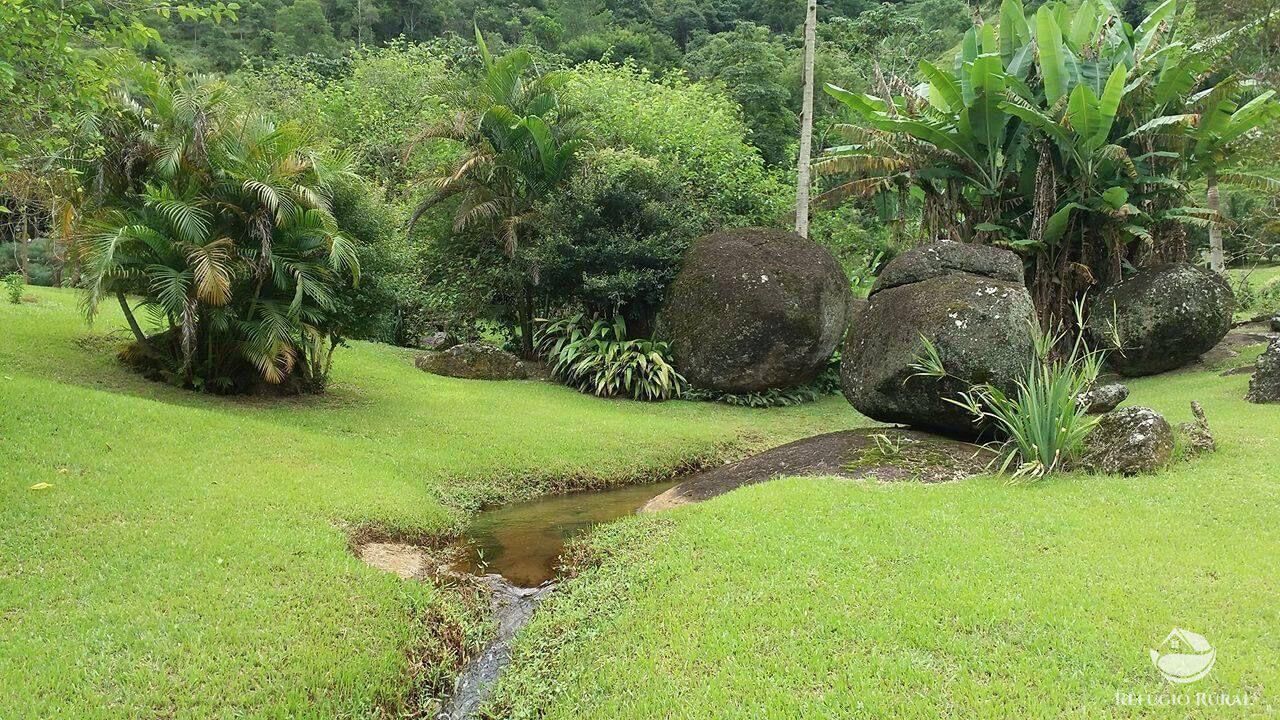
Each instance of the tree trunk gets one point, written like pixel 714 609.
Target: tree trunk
pixel 138 335
pixel 1217 262
pixel 22 248
pixel 526 323
pixel 806 122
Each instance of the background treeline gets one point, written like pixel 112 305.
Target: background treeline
pixel 688 108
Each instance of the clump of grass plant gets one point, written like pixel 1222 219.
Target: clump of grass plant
pixel 597 357
pixel 13 287
pixel 1042 425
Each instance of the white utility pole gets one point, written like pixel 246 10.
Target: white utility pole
pixel 806 122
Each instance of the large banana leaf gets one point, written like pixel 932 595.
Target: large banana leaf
pixel 1014 31
pixel 1149 29
pixel 986 120
pixel 1053 67
pixel 943 88
pixel 1109 105
pixel 1251 115
pixel 1082 112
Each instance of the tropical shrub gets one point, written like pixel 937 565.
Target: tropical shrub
pixel 615 235
pixel 519 144
pixel 220 222
pixel 13 286
pixel 1070 137
pixel 694 129
pixel 1044 424
pixel 596 357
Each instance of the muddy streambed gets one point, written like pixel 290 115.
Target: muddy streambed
pixel 515 550
pixel 523 542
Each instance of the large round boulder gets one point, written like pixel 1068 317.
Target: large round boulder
pixel 1163 318
pixel 980 320
pixel 754 309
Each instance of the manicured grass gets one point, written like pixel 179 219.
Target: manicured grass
pixel 190 558
pixel 828 598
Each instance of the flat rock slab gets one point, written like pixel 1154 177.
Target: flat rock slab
pixel 1236 340
pixel 895 455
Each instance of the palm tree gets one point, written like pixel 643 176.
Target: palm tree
pixel 219 221
pixel 1217 126
pixel 518 145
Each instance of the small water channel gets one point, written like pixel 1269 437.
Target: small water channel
pixel 522 542
pixel 515 550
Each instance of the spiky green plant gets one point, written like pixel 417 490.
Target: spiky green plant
pixel 1043 424
pixel 598 358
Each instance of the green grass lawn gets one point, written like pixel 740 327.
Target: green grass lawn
pixel 1262 279
pixel 829 598
pixel 190 558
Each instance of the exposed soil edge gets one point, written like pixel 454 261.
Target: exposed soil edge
pixel 885 454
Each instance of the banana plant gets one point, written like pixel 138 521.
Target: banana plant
pixel 1057 134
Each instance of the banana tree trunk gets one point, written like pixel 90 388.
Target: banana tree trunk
pixel 806 123
pixel 1217 261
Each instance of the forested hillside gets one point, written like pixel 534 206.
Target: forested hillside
pixel 686 113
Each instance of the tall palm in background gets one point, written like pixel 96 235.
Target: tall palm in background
pixel 220 222
pixel 518 145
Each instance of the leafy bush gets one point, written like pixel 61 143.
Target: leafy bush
pixel 1262 298
pixel 1043 425
pixel 692 128
pixel 616 236
pixel 596 357
pixel 222 223
pixel 1068 136
pixel 13 286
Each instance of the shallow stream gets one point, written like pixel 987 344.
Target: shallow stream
pixel 515 550
pixel 522 542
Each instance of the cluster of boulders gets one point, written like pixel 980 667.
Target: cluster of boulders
pixel 755 309
pixel 964 310
pixel 970 303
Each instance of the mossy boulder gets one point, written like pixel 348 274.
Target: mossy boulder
pixel 1264 386
pixel 1128 441
pixel 1164 317
pixel 754 309
pixel 948 258
pixel 982 327
pixel 474 361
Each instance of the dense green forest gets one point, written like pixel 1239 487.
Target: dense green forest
pixel 684 117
